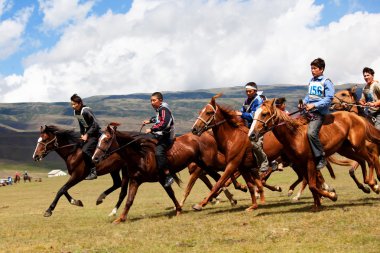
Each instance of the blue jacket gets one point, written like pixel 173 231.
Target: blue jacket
pixel 321 93
pixel 249 108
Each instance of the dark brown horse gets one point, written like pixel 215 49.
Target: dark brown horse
pixel 341 132
pixel 67 145
pixel 347 100
pixel 26 177
pixel 139 155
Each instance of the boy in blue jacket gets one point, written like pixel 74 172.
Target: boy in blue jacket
pixel 317 102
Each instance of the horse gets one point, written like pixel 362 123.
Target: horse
pixel 232 138
pixel 347 100
pixel 341 132
pixel 26 177
pixel 139 155
pixel 17 178
pixel 68 146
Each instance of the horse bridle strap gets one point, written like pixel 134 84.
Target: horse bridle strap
pixel 56 145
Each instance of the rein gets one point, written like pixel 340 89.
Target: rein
pixel 212 118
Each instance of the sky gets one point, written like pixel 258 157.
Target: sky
pixel 51 49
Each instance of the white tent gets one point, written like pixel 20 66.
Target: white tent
pixel 56 173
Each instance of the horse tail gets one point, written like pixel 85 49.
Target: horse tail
pixel 177 180
pixel 342 162
pixel 372 133
pixel 330 169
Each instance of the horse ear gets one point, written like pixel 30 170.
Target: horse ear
pixel 353 89
pixel 273 102
pixel 114 124
pixel 215 97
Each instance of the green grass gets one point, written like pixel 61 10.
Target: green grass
pixel 348 225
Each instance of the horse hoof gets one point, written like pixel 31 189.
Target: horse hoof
pixel 197 207
pixel 48 213
pixel 251 208
pixel 98 202
pixel 290 193
pixel 376 189
pixel 233 202
pixel 178 213
pixel 244 189
pixel 334 196
pixel 295 199
pixel 118 221
pixel 366 190
pixel 79 203
pixel 279 189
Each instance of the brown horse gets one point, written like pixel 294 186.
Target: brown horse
pixel 67 145
pixel 341 132
pixel 232 138
pixel 17 179
pixel 346 100
pixel 26 177
pixel 139 155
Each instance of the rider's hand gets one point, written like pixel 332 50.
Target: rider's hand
pixel 238 113
pixel 84 137
pixel 309 107
pixel 146 122
pixel 148 130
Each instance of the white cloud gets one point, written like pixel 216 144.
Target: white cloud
pixel 11 30
pixel 61 12
pixel 180 45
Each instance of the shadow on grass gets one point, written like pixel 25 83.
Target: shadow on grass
pixel 270 208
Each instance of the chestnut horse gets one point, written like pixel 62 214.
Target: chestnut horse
pixel 67 145
pixel 17 179
pixel 347 100
pixel 232 138
pixel 139 155
pixel 341 132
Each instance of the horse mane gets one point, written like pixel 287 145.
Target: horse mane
pixel 292 123
pixel 69 135
pixel 230 115
pixel 141 143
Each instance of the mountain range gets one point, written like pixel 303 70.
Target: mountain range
pixel 20 122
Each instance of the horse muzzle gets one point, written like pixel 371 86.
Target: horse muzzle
pixel 195 131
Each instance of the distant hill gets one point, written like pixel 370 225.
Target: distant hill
pixel 20 122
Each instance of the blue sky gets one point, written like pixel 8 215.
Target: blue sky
pixel 96 47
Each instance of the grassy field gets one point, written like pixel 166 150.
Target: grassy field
pixel 348 225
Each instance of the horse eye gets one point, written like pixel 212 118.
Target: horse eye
pixel 344 95
pixel 208 113
pixel 264 114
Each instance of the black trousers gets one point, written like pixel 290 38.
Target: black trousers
pixel 164 143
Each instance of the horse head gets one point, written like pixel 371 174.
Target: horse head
pixel 265 118
pixel 46 142
pixel 344 99
pixel 206 116
pixel 106 141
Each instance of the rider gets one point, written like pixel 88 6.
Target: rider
pixel 371 95
pixel 163 131
pixel 89 130
pixel 281 104
pixel 247 113
pixel 317 103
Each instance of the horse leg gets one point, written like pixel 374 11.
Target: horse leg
pixel 70 183
pixel 122 194
pixel 251 187
pixel 237 185
pixel 196 172
pixel 133 187
pixel 229 195
pixel 230 169
pixel 358 184
pixel 303 186
pixel 116 184
pixel 274 188
pixel 259 184
pixel 315 185
pixel 170 192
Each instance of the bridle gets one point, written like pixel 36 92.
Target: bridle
pixel 207 123
pixel 106 152
pixel 55 145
